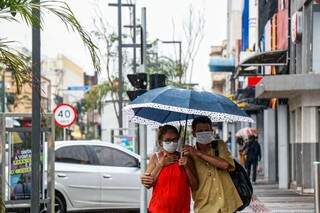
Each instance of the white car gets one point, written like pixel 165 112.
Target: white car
pixel 93 175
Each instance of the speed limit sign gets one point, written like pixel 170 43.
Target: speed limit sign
pixel 65 115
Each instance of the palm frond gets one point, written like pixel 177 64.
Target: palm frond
pixel 63 11
pixel 21 7
pixel 16 62
pixel 25 9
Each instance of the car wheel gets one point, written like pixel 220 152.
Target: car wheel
pixel 60 203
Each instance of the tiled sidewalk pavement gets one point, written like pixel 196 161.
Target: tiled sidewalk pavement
pixel 268 198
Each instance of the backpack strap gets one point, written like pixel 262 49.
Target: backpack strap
pixel 214 145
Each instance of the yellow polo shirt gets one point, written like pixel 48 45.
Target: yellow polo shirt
pixel 216 192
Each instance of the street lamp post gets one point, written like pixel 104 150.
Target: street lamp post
pixel 36 100
pixel 134 46
pixel 143 142
pixel 3 92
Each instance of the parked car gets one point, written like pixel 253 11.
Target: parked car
pixel 93 175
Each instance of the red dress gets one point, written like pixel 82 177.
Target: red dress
pixel 171 192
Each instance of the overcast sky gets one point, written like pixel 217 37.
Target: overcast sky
pixel 160 16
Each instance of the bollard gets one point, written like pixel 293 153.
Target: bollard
pixel 316 186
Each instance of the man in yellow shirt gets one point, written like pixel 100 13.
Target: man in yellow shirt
pixel 216 192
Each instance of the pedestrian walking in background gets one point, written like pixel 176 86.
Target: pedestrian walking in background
pixel 253 155
pixel 216 192
pixel 170 175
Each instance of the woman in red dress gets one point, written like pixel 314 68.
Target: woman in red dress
pixel 170 176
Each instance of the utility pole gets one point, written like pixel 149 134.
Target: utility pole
pixel 134 39
pixel 134 26
pixel 3 92
pixel 120 64
pixel 143 142
pixel 36 122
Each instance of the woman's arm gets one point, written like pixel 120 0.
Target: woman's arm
pixel 191 172
pixel 154 168
pixel 147 179
pixel 164 160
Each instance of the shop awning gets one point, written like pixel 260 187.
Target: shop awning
pixel 220 64
pixel 272 58
pixel 248 67
pixel 286 86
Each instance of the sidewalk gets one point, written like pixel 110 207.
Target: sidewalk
pixel 268 198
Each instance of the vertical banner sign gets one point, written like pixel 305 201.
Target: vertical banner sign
pixel 20 166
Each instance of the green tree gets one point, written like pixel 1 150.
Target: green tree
pixel 107 40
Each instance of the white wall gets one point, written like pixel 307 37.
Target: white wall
pixel 269 145
pixel 234 24
pixel 283 147
pixel 108 122
pixel 316 43
pixel 253 23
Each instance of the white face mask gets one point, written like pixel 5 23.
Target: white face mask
pixel 170 146
pixel 204 137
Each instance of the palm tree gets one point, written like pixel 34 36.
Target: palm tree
pixel 22 11
pixel 12 10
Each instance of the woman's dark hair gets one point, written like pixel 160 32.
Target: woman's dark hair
pixel 202 120
pixel 166 128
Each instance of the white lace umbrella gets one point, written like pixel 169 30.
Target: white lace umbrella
pixel 176 106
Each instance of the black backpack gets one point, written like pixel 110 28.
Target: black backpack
pixel 240 180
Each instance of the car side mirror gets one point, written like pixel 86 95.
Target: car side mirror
pixel 138 164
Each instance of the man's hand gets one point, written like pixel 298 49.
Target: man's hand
pixel 183 161
pixel 189 150
pixel 147 180
pixel 165 159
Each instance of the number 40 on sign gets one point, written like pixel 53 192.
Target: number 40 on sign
pixel 65 115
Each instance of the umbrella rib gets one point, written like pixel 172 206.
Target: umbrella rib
pixel 165 118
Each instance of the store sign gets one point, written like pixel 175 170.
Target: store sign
pixel 65 115
pixel 296 27
pixel 20 173
pixel 19 166
pixel 253 80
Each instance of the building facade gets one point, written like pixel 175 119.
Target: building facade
pixel 67 79
pixel 277 73
pixel 299 90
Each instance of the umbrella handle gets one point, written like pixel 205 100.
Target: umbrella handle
pixel 185 132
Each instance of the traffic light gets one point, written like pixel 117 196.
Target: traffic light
pixel 157 80
pixel 140 82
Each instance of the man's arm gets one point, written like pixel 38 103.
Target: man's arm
pixel 191 172
pixel 215 161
